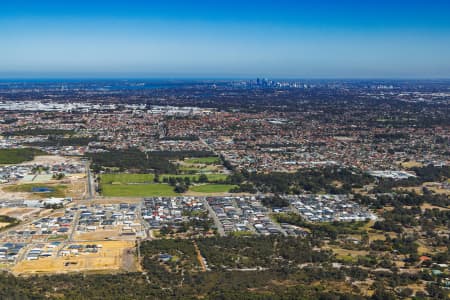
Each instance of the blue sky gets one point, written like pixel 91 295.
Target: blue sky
pixel 277 39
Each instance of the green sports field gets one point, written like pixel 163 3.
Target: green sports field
pixel 193 177
pixel 212 188
pixel 126 178
pixel 137 190
pixel 142 185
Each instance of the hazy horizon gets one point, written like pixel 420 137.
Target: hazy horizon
pixel 206 39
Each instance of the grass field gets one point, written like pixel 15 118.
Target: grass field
pixel 17 156
pixel 126 178
pixel 197 168
pixel 193 177
pixel 58 191
pixel 212 188
pixel 212 160
pixel 137 190
pixel 142 185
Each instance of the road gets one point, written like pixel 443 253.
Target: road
pixel 213 215
pixel 144 223
pixel 90 185
pixel 74 225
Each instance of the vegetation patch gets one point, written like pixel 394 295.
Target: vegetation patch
pixel 141 162
pixel 258 252
pixel 9 221
pixel 324 229
pixel 17 156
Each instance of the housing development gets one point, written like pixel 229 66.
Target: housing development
pixel 262 188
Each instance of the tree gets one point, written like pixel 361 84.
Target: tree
pixel 172 181
pixel 203 178
pixel 180 188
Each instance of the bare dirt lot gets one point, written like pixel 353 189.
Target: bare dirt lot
pixel 111 200
pixel 19 212
pixel 102 235
pixel 3 224
pixel 51 160
pixel 110 257
pixel 12 196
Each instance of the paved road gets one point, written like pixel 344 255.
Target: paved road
pixel 74 225
pixel 89 179
pixel 143 222
pixel 213 215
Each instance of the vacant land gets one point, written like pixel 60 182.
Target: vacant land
pixel 137 190
pixel 212 188
pixel 6 221
pixel 411 164
pixel 348 255
pixel 109 257
pixel 19 212
pixel 54 159
pixel 112 234
pixel 435 187
pixel 57 190
pixel 17 156
pixel 2 224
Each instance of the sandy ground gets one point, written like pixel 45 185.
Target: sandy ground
pixel 111 200
pixel 4 195
pixel 51 160
pixel 411 164
pixel 429 206
pixel 3 224
pixel 109 257
pixel 435 187
pixel 101 235
pixel 77 187
pixel 19 212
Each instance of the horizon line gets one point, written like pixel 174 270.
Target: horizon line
pixel 224 78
